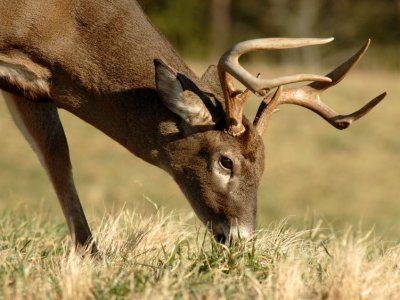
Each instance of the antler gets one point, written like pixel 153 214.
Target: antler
pixel 308 97
pixel 229 66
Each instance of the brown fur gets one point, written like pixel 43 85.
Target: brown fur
pixel 97 61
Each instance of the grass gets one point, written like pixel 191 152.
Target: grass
pixel 164 257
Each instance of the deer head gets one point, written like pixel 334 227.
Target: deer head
pixel 219 160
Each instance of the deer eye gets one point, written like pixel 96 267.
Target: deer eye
pixel 226 162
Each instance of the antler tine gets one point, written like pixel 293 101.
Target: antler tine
pixel 267 107
pixel 342 122
pixel 229 66
pixel 308 97
pixel 340 72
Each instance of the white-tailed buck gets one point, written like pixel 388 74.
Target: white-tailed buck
pixel 104 62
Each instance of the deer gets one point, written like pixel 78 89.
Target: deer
pixel 104 62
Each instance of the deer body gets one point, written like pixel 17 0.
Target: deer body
pixel 98 71
pixel 104 62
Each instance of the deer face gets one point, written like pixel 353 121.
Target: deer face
pixel 218 173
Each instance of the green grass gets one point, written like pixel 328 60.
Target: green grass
pixel 164 257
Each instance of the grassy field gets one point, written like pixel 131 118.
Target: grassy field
pixel 313 172
pixel 162 257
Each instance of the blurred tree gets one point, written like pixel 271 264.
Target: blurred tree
pixel 199 28
pixel 298 18
pixel 184 23
pixel 220 22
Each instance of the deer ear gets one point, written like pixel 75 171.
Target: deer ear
pixel 185 103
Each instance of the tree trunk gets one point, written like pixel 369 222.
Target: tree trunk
pixel 220 26
pixel 298 19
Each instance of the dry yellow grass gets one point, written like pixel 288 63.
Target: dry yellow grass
pixel 162 257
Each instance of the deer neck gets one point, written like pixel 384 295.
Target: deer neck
pixel 136 119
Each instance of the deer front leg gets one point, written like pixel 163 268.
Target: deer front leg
pixel 41 126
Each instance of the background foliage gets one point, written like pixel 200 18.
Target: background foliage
pixel 200 28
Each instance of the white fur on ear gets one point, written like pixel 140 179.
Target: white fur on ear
pixel 185 103
pixel 169 87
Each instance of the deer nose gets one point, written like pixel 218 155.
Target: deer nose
pixel 220 238
pixel 232 233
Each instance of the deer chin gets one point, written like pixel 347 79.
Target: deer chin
pixel 240 232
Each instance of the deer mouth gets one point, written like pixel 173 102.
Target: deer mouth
pixel 225 233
